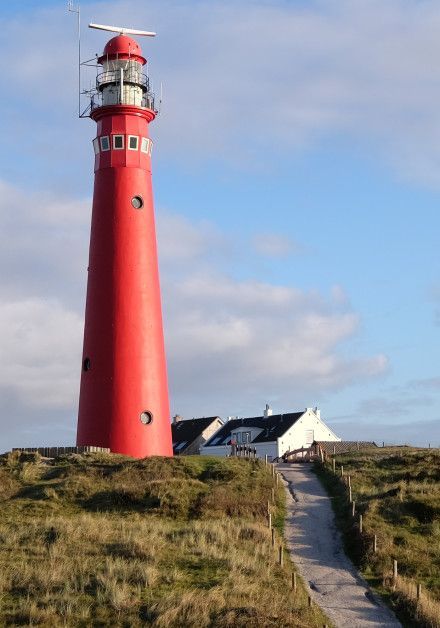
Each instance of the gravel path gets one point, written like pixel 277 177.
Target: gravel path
pixel 316 549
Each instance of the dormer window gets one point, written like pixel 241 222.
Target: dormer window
pixel 133 142
pixel 118 142
pixel 246 437
pixel 105 143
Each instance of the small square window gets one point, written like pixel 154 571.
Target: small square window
pixel 145 145
pixel 118 142
pixel 133 142
pixel 105 143
pixel 96 145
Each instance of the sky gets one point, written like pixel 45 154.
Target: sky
pixel 296 173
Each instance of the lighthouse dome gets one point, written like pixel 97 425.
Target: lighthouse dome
pixel 122 47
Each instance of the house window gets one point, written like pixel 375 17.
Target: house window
pixel 105 143
pixel 309 437
pixel 118 142
pixel 145 142
pixel 96 145
pixel 246 437
pixel 133 142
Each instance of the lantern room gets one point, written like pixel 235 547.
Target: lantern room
pixel 122 80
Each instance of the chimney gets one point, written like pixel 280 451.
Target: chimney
pixel 317 411
pixel 177 418
pixel 267 411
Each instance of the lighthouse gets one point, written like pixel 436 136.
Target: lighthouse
pixel 123 402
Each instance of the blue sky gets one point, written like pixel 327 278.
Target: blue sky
pixel 297 183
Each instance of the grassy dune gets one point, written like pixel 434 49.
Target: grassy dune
pixel 102 540
pixel 397 491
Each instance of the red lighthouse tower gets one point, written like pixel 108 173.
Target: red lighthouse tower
pixel 123 401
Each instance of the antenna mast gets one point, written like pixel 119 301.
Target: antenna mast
pixel 77 10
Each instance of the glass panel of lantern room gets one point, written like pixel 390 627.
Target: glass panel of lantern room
pixel 132 94
pixel 126 73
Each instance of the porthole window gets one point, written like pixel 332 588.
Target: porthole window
pixel 146 417
pixel 145 145
pixel 105 142
pixel 133 142
pixel 86 364
pixel 96 145
pixel 137 202
pixel 118 142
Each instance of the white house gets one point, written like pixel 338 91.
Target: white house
pixel 271 434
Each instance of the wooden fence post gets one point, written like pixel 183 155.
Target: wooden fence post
pixel 273 496
pixel 273 537
pixel 349 494
pixel 277 477
pixel 419 590
pixel 349 481
pixel 342 470
pixel 361 524
pixel 265 460
pixel 334 465
pixel 353 509
pixel 310 601
pixel 269 520
pixel 280 555
pixel 294 580
pixel 375 543
pixel 394 569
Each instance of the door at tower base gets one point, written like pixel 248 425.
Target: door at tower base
pixel 124 393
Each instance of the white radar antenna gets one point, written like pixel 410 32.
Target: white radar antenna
pixel 122 30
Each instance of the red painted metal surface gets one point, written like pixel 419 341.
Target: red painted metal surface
pixel 124 48
pixel 124 381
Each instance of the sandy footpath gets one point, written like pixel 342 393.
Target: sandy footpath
pixel 316 549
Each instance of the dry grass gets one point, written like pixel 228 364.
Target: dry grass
pixel 397 491
pixel 104 541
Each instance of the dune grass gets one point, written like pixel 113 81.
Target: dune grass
pixel 102 540
pixel 397 491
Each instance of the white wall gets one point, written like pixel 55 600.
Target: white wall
pixel 212 429
pixel 296 436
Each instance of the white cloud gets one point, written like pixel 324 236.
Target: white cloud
pixel 232 342
pixel 43 244
pixel 275 245
pixel 40 353
pixel 182 241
